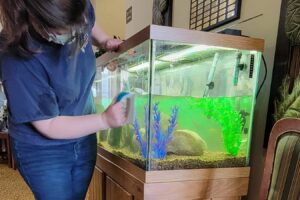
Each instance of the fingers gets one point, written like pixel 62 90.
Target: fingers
pixel 112 66
pixel 120 113
pixel 123 109
pixel 113 44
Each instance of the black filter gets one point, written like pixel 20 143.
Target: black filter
pixel 251 66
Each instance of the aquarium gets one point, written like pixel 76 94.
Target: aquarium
pixel 194 97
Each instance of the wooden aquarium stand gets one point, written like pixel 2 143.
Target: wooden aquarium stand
pixel 117 179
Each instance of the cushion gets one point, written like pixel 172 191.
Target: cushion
pixel 285 180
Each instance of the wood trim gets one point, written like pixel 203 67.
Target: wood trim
pixel 226 183
pixel 181 35
pixel 173 175
pixel 123 178
pixel 115 192
pixel 97 185
pixel 133 41
pixel 217 188
pixel 206 38
pixel 196 174
pixel 125 165
pixel 280 128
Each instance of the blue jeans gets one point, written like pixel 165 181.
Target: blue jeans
pixel 61 172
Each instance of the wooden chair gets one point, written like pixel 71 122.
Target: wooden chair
pixel 281 178
pixel 4 136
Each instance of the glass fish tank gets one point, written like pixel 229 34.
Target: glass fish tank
pixel 193 97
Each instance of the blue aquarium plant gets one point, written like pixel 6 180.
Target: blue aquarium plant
pixel 159 139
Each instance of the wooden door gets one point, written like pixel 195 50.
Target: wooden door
pixel 97 185
pixel 115 192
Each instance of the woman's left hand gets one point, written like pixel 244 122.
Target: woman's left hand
pixel 112 44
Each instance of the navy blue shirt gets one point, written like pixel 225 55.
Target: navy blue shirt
pixel 48 84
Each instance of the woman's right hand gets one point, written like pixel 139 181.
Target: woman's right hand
pixel 115 115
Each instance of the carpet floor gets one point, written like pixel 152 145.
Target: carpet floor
pixel 12 185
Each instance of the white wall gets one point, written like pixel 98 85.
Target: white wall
pixel 264 27
pixel 141 16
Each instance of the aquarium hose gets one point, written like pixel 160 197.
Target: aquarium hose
pixel 237 68
pixel 210 84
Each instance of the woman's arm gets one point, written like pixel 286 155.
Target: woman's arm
pixel 70 127
pixel 101 39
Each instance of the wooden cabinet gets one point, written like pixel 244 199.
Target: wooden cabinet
pixel 115 191
pixel 97 185
pixel 117 179
pixel 103 187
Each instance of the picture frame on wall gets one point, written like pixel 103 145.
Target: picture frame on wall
pixel 206 15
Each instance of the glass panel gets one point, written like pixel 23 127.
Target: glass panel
pixel 207 2
pixel 206 14
pixel 205 25
pixel 193 21
pixel 231 7
pixel 199 18
pixel 193 15
pixel 214 21
pixel 194 4
pixel 231 1
pixel 221 18
pixel 222 12
pixel 202 101
pixel 214 16
pixel 206 20
pixel 193 26
pixel 132 75
pixel 214 3
pixel 230 14
pixel 199 28
pixel 222 5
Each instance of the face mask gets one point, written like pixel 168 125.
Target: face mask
pixel 62 38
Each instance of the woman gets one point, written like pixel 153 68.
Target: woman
pixel 47 70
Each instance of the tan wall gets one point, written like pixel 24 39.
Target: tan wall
pixel 110 15
pixel 264 27
pixel 141 16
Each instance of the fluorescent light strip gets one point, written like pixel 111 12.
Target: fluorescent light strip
pixel 182 54
pixel 142 66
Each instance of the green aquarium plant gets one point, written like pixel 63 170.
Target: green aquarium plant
pixel 223 111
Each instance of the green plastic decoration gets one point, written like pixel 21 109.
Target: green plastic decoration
pixel 223 111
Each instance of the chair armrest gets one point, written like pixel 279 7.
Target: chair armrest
pixel 281 127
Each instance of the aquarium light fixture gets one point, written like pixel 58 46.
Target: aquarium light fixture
pixel 181 54
pixel 184 53
pixel 142 66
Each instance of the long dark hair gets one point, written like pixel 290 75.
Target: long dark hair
pixel 20 19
